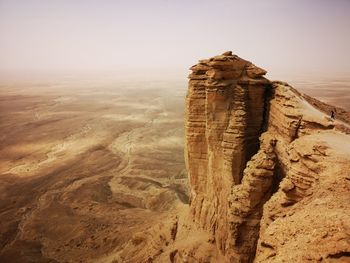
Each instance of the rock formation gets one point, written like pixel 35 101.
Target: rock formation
pixel 269 175
pixel 226 109
pixel 233 174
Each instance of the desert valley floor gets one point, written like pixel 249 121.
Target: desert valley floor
pixel 84 166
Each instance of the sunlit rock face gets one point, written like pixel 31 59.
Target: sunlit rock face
pixel 225 113
pixel 268 175
pixel 257 153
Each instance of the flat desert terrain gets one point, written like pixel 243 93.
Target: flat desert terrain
pixel 332 91
pixel 84 165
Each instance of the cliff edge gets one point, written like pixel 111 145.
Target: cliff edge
pixel 269 175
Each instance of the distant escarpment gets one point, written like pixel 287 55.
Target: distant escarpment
pixel 269 174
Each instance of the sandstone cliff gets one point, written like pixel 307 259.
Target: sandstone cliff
pixel 226 111
pixel 262 165
pixel 269 175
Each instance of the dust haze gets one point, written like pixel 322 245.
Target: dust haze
pixel 84 165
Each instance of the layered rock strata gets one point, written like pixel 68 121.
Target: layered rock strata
pixel 268 172
pixel 310 212
pixel 230 105
pixel 226 110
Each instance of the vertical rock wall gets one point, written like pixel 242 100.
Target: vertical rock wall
pixel 226 107
pixel 256 154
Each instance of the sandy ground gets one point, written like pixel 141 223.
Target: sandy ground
pixel 84 167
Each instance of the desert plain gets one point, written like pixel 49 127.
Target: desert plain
pixel 86 164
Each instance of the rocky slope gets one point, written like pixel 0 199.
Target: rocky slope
pixel 258 197
pixel 269 175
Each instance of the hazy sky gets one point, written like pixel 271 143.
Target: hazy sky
pixel 282 36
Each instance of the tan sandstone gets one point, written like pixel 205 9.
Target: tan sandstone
pixel 269 175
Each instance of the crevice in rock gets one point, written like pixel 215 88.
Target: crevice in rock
pixel 252 146
pixel 263 179
pixel 340 255
pixel 279 174
pixel 172 255
pixel 173 230
pixel 268 94
pixel 296 130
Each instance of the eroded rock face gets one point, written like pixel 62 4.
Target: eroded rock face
pixel 226 106
pixel 310 212
pixel 236 189
pixel 269 175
